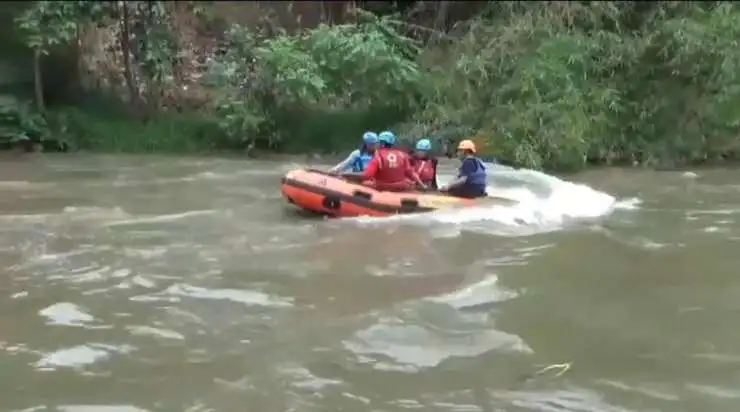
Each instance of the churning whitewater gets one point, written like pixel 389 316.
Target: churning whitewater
pixel 543 203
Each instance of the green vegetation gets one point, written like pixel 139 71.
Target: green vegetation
pixel 559 84
pixel 543 84
pixel 324 87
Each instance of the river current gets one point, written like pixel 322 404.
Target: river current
pixel 143 283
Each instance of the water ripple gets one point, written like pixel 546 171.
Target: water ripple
pixel 395 345
pixel 571 400
pixel 150 283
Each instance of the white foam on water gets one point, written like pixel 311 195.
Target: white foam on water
pixel 163 218
pixel 482 292
pixel 541 203
pixel 66 313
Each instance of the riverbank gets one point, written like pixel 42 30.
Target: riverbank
pixel 559 86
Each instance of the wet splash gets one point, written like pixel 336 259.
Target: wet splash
pixel 537 203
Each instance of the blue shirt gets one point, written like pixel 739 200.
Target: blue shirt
pixel 356 161
pixel 360 160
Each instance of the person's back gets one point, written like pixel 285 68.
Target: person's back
pixel 390 169
pixel 359 159
pixel 424 164
pixel 393 166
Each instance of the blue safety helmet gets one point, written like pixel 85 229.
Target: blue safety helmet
pixel 370 138
pixel 424 145
pixel 387 137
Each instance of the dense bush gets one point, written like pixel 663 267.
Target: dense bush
pixel 541 84
pixel 319 88
pixel 19 122
pixel 555 84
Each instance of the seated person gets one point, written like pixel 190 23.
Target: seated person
pixel 424 164
pixel 359 159
pixel 390 169
pixel 471 179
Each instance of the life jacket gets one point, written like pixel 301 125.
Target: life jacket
pixel 426 169
pixel 393 165
pixel 478 178
pixel 362 160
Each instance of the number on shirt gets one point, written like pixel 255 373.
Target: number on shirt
pixel 392 160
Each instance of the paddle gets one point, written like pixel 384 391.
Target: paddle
pixel 358 178
pixel 352 177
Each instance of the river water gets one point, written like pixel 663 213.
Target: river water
pixel 187 284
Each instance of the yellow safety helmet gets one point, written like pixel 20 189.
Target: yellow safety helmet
pixel 466 144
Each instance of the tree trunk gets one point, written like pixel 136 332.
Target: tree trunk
pixel 38 81
pixel 440 20
pixel 79 67
pixel 125 42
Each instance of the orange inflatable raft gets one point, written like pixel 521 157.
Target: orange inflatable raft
pixel 322 193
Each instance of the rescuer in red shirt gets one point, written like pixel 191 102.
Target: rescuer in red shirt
pixel 391 169
pixel 424 164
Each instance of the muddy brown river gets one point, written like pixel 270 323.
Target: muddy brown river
pixel 142 283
